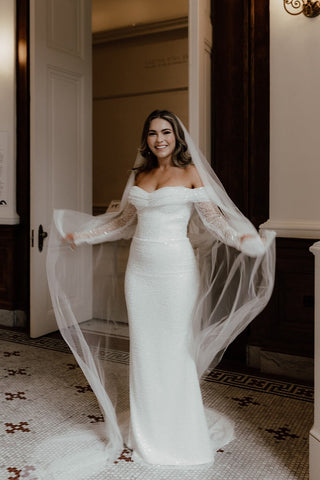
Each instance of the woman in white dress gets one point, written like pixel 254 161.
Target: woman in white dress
pixel 197 274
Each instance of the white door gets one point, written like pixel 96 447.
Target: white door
pixel 200 47
pixel 61 123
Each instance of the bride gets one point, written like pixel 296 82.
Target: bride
pixel 197 274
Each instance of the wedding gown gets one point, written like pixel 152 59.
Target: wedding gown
pixel 168 424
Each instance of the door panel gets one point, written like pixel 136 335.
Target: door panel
pixel 61 164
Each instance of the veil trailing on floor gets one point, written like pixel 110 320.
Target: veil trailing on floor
pixel 86 287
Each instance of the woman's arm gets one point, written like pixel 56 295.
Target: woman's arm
pixel 212 217
pixel 109 232
pixel 214 221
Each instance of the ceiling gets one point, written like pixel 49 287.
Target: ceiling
pixel 112 14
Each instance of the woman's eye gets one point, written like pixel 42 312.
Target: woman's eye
pixel 167 132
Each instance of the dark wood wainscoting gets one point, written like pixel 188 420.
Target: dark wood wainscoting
pixel 240 115
pixel 287 323
pixel 8 237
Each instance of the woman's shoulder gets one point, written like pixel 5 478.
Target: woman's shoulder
pixel 191 168
pixel 193 175
pixel 140 176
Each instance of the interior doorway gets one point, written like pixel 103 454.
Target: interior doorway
pixel 140 66
pixel 77 196
pixel 139 63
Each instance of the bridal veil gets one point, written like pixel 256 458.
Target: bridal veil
pixel 86 286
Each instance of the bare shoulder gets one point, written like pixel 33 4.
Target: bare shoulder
pixel 139 177
pixel 194 176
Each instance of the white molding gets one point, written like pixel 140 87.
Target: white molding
pixel 139 30
pixel 314 454
pixel 15 220
pixel 315 248
pixel 314 435
pixel 200 47
pixel 60 38
pixel 293 228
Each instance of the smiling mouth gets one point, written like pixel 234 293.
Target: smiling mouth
pixel 160 147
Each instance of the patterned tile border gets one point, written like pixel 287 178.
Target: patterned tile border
pixel 260 384
pixel 240 380
pixel 57 344
pixel 42 342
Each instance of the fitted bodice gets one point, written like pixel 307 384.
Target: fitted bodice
pixel 163 214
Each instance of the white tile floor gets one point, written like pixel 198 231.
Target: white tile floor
pixel 45 393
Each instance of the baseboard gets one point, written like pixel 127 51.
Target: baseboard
pixel 13 318
pixel 283 364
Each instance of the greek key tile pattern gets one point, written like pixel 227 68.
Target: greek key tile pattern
pixel 258 384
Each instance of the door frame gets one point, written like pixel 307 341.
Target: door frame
pixel 22 260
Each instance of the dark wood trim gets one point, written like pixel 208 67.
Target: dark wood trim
pixel 229 85
pixel 23 156
pixel 14 239
pixel 240 113
pixel 99 209
pixel 259 116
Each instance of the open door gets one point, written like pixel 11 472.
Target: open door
pixel 200 46
pixel 61 124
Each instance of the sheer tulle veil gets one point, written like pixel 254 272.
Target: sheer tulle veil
pixel 87 282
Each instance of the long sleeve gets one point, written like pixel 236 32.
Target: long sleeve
pixel 213 219
pixel 109 232
pixel 215 222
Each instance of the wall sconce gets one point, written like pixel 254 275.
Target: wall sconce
pixel 309 8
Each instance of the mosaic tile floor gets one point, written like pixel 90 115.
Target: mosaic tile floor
pixel 43 392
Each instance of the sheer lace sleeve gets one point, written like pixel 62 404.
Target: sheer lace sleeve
pixel 213 219
pixel 111 231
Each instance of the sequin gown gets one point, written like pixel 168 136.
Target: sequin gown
pixel 168 422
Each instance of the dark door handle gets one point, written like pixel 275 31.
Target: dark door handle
pixel 41 236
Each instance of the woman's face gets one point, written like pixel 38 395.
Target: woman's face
pixel 161 139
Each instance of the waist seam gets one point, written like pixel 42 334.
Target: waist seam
pixel 165 240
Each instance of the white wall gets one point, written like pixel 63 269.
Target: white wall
pixel 7 113
pixel 295 124
pixel 132 77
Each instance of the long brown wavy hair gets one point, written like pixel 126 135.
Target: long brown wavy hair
pixel 180 156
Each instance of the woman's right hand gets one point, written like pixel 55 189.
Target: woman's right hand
pixel 69 238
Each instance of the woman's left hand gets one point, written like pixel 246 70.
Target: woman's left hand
pixel 248 235
pixel 252 245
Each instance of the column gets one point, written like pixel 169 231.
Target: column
pixel 314 436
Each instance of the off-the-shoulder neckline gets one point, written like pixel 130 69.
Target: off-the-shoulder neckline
pixel 168 186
